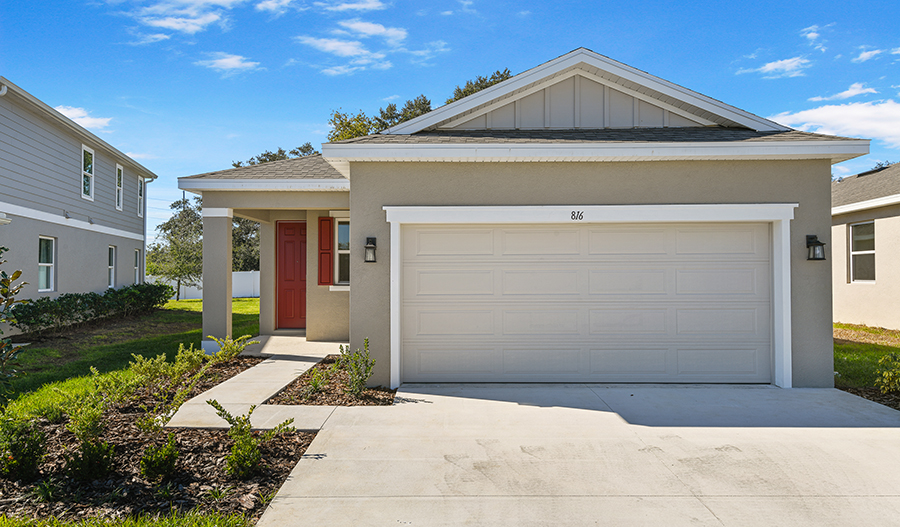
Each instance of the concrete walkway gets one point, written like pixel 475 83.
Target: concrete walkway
pixel 527 455
pixel 288 358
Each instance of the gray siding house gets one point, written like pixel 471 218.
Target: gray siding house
pixel 72 207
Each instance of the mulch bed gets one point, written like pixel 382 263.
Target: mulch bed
pixel 332 394
pixel 199 481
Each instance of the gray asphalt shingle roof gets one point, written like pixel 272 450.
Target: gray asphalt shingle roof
pixel 866 185
pixel 309 167
pixel 605 135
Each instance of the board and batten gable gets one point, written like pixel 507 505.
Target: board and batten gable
pixel 41 170
pixel 806 182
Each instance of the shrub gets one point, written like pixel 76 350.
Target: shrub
pixel 889 374
pixel 158 462
pixel 359 368
pixel 230 348
pixel 22 447
pixel 245 457
pixel 92 461
pixel 318 379
pixel 8 292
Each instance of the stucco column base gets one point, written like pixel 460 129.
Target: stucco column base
pixel 216 276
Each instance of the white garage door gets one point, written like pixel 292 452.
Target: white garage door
pixel 586 303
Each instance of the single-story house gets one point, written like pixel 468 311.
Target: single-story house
pixel 865 222
pixel 583 221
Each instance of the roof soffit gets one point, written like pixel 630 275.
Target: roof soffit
pixel 600 69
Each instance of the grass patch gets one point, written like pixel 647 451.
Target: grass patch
pixel 190 519
pixel 856 362
pixel 108 345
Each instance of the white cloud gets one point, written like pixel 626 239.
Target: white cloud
pixel 430 50
pixel 277 7
pixel 792 67
pixel 392 35
pixel 524 13
pixel 391 98
pixel 81 116
pixel 446 13
pixel 466 6
pixel 875 120
pixel 360 5
pixel 138 155
pixel 185 16
pixel 895 51
pixel 149 39
pixel 227 63
pixel 813 36
pixel 857 88
pixel 341 48
pixel 867 55
pixel 184 24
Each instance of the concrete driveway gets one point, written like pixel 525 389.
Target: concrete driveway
pixel 600 455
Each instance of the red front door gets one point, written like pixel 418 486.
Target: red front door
pixel 291 250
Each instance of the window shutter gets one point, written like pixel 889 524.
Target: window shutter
pixel 326 251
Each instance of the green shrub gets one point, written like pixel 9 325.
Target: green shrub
pixel 8 352
pixel 230 348
pixel 92 461
pixel 889 374
pixel 318 379
pixel 359 368
pixel 158 462
pixel 22 447
pixel 245 457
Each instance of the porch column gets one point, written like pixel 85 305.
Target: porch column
pixel 216 276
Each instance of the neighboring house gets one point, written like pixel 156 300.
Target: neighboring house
pixel 865 219
pixel 75 206
pixel 583 221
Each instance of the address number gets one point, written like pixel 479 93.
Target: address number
pixel 577 215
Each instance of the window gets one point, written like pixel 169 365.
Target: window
pixel 140 197
pixel 119 177
pixel 46 263
pixel 87 173
pixel 342 262
pixel 137 266
pixel 862 252
pixel 111 268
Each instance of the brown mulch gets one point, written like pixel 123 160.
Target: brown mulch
pixel 332 394
pixel 198 478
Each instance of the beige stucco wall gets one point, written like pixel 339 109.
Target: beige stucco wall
pixel 327 312
pixel 805 182
pixel 870 303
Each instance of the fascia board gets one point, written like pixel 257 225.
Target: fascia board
pixel 309 185
pixel 599 61
pixel 590 152
pixel 43 109
pixel 866 205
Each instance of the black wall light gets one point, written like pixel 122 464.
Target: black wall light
pixel 815 248
pixel 370 250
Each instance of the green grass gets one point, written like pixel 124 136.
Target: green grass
pixel 65 363
pixel 190 519
pixel 856 363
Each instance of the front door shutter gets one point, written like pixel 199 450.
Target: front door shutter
pixel 326 251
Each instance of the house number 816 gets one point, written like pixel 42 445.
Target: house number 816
pixel 577 215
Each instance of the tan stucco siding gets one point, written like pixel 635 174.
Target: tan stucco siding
pixel 805 182
pixel 328 312
pixel 870 303
pixel 277 199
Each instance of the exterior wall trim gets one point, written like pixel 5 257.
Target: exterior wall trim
pixel 213 212
pixel 778 214
pixel 25 212
pixel 199 185
pixel 883 201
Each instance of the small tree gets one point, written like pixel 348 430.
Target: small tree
pixel 8 292
pixel 479 84
pixel 178 257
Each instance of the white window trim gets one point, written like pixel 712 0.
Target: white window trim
pixel 779 215
pixel 111 268
pixel 137 266
pixel 92 173
pixel 51 265
pixel 120 182
pixel 853 253
pixel 337 253
pixel 142 189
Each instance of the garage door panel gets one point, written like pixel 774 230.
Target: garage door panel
pixel 592 303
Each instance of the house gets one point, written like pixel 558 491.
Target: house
pixel 583 221
pixel 74 206
pixel 865 222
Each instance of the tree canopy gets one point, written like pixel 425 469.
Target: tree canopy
pixel 178 255
pixel 479 84
pixel 306 149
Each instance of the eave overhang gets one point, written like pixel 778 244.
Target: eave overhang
pixel 198 186
pixel 884 201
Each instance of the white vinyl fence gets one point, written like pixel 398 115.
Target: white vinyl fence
pixel 244 284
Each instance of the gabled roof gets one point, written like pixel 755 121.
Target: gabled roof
pixel 867 190
pixel 605 70
pixel 8 89
pixel 301 173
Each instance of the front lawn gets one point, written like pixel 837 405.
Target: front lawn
pixel 856 353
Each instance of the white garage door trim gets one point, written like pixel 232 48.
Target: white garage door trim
pixel 778 214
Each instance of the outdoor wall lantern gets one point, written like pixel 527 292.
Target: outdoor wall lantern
pixel 815 247
pixel 370 250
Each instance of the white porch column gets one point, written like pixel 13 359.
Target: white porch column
pixel 216 276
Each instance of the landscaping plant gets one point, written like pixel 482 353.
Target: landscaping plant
pixel 22 447
pixel 359 367
pixel 158 462
pixel 245 457
pixel 889 374
pixel 8 292
pixel 230 348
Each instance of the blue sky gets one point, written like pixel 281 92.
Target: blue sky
pixel 188 86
